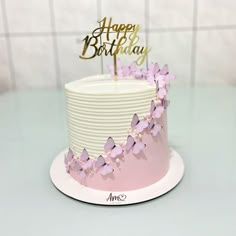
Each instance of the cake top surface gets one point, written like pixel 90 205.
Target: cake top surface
pixel 105 84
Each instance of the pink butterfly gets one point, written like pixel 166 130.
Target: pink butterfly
pixel 102 166
pixel 139 125
pixel 154 68
pixel 151 78
pixel 136 146
pixel 78 167
pixel 156 111
pixel 164 70
pixel 161 93
pixel 69 160
pixel 115 151
pixel 154 128
pixel 165 103
pixel 169 77
pixel 132 68
pixel 125 71
pixel 84 158
pixel 138 74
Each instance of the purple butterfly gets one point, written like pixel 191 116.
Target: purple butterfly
pixel 138 74
pixel 69 160
pixel 102 166
pixel 164 70
pixel 78 168
pixel 115 151
pixel 132 68
pixel 136 146
pixel 139 125
pixel 84 158
pixel 151 78
pixel 154 68
pixel 161 93
pixel 154 128
pixel 156 111
pixel 165 103
pixel 169 78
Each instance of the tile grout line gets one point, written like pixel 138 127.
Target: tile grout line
pixel 8 46
pixel 99 15
pixel 160 30
pixel 194 44
pixel 55 44
pixel 146 17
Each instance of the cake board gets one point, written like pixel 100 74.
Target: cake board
pixel 70 187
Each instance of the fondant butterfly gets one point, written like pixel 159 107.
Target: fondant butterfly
pixel 139 125
pixel 152 73
pixel 156 111
pixel 103 167
pixel 161 88
pixel 154 128
pixel 69 160
pixel 164 70
pixel 78 168
pixel 165 103
pixel 114 150
pixel 86 161
pixel 136 146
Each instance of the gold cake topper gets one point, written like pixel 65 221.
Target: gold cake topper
pixel 119 39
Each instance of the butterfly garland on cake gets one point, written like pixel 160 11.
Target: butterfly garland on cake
pixel 161 78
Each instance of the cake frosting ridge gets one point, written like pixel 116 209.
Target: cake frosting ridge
pixel 118 128
pixel 99 107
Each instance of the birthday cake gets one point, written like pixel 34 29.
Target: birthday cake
pixel 118 128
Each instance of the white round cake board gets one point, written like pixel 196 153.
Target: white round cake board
pixel 66 184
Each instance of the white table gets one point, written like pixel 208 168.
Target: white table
pixel 202 128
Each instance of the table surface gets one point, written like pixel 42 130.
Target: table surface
pixel 202 128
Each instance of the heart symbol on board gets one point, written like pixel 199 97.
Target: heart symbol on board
pixel 122 197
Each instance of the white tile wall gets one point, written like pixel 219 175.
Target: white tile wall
pixel 170 13
pixel 71 66
pixel 125 11
pixel 75 15
pixel 33 62
pixel 173 48
pixel 216 12
pixel 213 48
pixel 28 15
pixel 5 81
pixel 43 58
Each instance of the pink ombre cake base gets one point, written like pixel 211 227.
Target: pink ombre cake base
pixel 135 171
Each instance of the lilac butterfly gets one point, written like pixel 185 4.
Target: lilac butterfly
pixel 169 78
pixel 156 111
pixel 84 158
pixel 79 168
pixel 139 125
pixel 154 128
pixel 69 160
pixel 138 74
pixel 161 93
pixel 102 166
pixel 136 146
pixel 154 68
pixel 165 103
pixel 132 68
pixel 164 70
pixel 152 72
pixel 115 151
